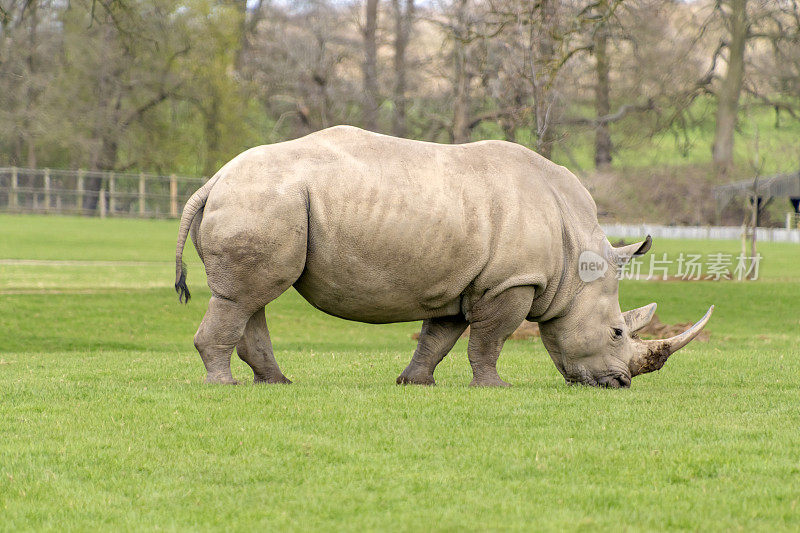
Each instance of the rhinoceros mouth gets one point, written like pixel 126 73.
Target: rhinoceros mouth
pixel 611 381
pixel 612 378
pixel 616 381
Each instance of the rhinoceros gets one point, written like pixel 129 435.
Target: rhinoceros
pixel 379 229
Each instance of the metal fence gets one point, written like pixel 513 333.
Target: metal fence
pixel 94 193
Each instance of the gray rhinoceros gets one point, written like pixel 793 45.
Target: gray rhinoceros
pixel 378 229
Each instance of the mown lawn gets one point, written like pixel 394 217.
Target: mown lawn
pixel 105 422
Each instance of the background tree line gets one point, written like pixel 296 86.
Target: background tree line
pixel 168 86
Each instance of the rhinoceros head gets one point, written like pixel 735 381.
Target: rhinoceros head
pixel 594 343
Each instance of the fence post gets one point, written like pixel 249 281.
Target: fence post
pixel 112 194
pixel 34 193
pixel 141 194
pixel 173 196
pixel 102 201
pixel 12 193
pixel 80 191
pixel 47 189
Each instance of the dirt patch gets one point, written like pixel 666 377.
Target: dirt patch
pixel 654 330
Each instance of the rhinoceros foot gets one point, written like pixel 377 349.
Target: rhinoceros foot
pixel 220 380
pixel 415 376
pixel 489 381
pixel 280 380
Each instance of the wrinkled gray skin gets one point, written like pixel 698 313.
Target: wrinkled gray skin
pixel 378 229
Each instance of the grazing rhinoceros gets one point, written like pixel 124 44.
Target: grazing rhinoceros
pixel 379 229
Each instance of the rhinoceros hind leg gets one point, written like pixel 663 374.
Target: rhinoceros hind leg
pixel 491 323
pixel 255 349
pixel 436 339
pixel 220 330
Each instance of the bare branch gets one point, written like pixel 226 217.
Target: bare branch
pixel 618 115
pixel 498 113
pixel 766 100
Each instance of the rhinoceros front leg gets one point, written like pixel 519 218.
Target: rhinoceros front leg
pixel 436 339
pixel 492 321
pixel 222 327
pixel 255 349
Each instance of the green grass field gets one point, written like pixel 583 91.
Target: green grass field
pixel 105 422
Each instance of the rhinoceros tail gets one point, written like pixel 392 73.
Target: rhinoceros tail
pixel 190 210
pixel 180 286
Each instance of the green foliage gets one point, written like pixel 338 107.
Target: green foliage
pixel 106 423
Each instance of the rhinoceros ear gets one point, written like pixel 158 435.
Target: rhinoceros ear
pixel 623 254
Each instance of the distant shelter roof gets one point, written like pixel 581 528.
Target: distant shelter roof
pixel 779 185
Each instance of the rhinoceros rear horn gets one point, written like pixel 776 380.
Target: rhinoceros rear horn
pixel 651 355
pixel 638 318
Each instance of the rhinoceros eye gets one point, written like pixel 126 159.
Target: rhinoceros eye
pixel 617 332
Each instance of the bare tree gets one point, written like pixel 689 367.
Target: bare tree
pixel 127 60
pixel 737 26
pixel 528 69
pixel 544 71
pixel 462 76
pixel 309 51
pixel 403 11
pixel 29 43
pixel 748 21
pixel 602 104
pixel 370 65
pixel 597 32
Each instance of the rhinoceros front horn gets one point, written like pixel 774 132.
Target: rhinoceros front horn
pixel 651 355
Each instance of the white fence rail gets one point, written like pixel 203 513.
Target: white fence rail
pixel 94 193
pixel 637 231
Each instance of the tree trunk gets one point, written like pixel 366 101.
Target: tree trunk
pixel 542 55
pixel 92 185
pixel 107 112
pixel 31 90
pixel 461 97
pixel 211 127
pixel 731 88
pixel 370 66
pixel 247 27
pixel 602 139
pixel 403 21
pixel 241 13
pixel 509 129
